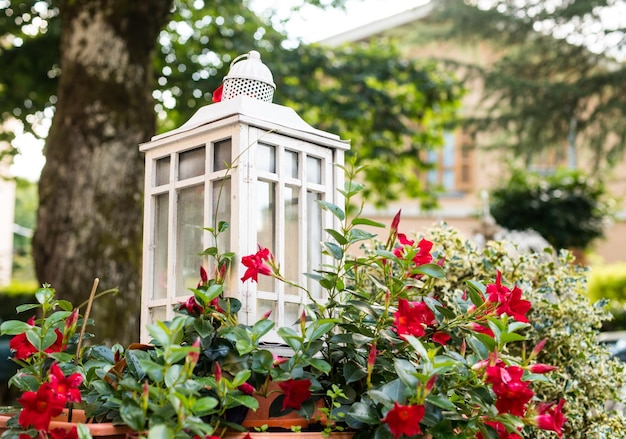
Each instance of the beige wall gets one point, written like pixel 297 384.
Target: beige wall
pixel 7 209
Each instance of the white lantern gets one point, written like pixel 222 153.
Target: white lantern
pixel 257 166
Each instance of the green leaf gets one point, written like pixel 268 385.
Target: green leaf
pixel 478 346
pixel 133 416
pixel 364 413
pixel 441 401
pixel 173 375
pixel 432 270
pixel 26 307
pixel 222 226
pixel 261 328
pixel 319 364
pixel 160 431
pixel 338 236
pixel 356 235
pixel 334 250
pixel 366 222
pixel 406 372
pixel 319 328
pixel 159 332
pixel 241 377
pixel 336 210
pixel 14 327
pixel 353 372
pixel 508 337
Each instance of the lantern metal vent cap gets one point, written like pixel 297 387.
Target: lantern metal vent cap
pixel 249 77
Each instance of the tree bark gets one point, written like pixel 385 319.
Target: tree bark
pixel 89 221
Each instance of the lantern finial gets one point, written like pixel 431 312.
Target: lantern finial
pixel 249 77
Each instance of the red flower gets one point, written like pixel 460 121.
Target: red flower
pixel 512 393
pixel 39 408
pixel 24 349
pixel 404 419
pixel 541 368
pixel 412 319
pixel 204 276
pixel 61 433
pixel 217 94
pixel 247 388
pixel 423 256
pixel 399 251
pixel 441 337
pixel 501 430
pixel 509 302
pixel 65 386
pixel 296 392
pixel 255 265
pixel 395 222
pixel 192 307
pixel 551 417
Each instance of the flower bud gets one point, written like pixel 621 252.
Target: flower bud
pixel 541 368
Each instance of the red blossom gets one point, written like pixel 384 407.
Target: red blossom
pixel 501 430
pixel 509 302
pixel 61 433
pixel 396 222
pixel 412 319
pixel 39 407
pixel 404 419
pixel 551 417
pixel 423 256
pixel 441 337
pixel 217 94
pixel 256 265
pixel 541 368
pixel 512 393
pixel 296 392
pixel 24 349
pixel 204 276
pixel 247 388
pixel 191 306
pixel 65 386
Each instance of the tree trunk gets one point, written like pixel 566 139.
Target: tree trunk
pixel 89 222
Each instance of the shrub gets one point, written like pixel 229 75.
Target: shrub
pixel 608 282
pixel 565 318
pixel 567 208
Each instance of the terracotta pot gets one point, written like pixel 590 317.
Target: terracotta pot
pixel 287 435
pixel 101 430
pixel 261 417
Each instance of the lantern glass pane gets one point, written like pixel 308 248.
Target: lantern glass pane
pixel 222 154
pixel 189 234
pixel 191 163
pixel 266 158
pixel 162 171
pixel 221 201
pixel 292 246
pixel 292 314
pixel 158 313
pixel 291 164
pixel 161 233
pixel 266 221
pixel 314 241
pixel 314 170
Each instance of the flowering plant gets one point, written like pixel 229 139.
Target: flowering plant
pixel 388 356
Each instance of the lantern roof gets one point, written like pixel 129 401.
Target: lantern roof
pixel 254 112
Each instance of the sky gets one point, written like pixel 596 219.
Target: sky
pixel 310 24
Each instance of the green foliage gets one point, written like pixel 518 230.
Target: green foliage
pixel 588 376
pixel 544 90
pixel 608 283
pixel 567 208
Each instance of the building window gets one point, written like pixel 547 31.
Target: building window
pixel 453 163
